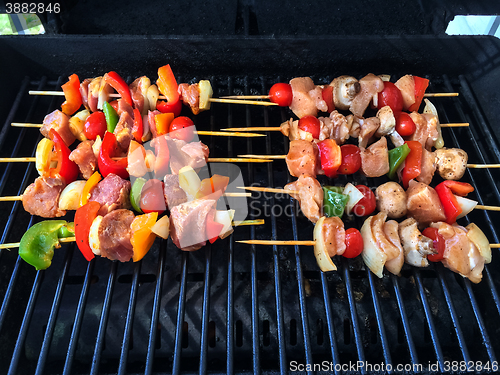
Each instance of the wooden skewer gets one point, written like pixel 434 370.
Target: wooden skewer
pixel 20 197
pixel 213 100
pixel 73 239
pixel 277 128
pixel 200 132
pixel 428 95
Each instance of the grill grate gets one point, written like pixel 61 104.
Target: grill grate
pixel 243 309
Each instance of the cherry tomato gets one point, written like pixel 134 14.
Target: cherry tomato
pixel 438 242
pixel 311 125
pixel 367 204
pixel 353 243
pixel 95 125
pixel 327 94
pixel 404 124
pixel 390 96
pixel 351 159
pixel 168 107
pixel 281 94
pixel 152 198
pixel 182 128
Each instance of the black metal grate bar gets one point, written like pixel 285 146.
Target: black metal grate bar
pixel 103 322
pixel 77 326
pixel 205 313
pixel 180 315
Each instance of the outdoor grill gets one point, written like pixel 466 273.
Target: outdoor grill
pixel 233 308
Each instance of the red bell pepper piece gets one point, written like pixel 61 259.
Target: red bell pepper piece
pixel 420 87
pixel 84 216
pixel 446 190
pixel 66 169
pixel 73 96
pixel 105 162
pixel 438 242
pixel 169 107
pixel 331 157
pixel 213 187
pixel 413 163
pixel 117 82
pixel 138 128
pixel 167 84
pixel 162 157
pixel 213 228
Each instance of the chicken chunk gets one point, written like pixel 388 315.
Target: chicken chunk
pixel 406 85
pixel 302 103
pixel 310 196
pixel 415 245
pixel 370 85
pixel 375 159
pixel 369 127
pixel 302 158
pixel 423 203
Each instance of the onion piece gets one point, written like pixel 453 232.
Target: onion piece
pixel 385 77
pixel 94 242
pixel 479 239
pixel 373 256
pixel 325 263
pixel 225 218
pixel 189 181
pixel 43 156
pixel 430 108
pixel 466 204
pixel 70 196
pixel 162 227
pixel 354 197
pixel 96 147
pixel 152 96
pixel 205 94
pixel 77 123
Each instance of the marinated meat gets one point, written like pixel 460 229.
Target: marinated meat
pixel 41 198
pixel 426 129
pixel 291 129
pixel 415 245
pixel 428 166
pixel 334 236
pixel 188 223
pixel 173 193
pixel 152 123
pixel 310 196
pixel 302 158
pixel 112 193
pixel 375 159
pixel 83 155
pixel 460 254
pixel 370 85
pixel 302 103
pixel 182 154
pixel 123 130
pixel 369 127
pixel 406 85
pixel 391 199
pixel 339 127
pixel 58 121
pixel 114 235
pixel 190 95
pixel 138 91
pixel 316 95
pixel 423 203
pixel 93 93
pixel 123 107
pixel 451 163
pixel 391 233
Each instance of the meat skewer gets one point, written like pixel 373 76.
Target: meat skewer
pixel 278 128
pixel 199 132
pixel 31 159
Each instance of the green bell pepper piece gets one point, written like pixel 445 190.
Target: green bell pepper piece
pixel 111 117
pixel 135 194
pixel 396 157
pixel 38 243
pixel 334 201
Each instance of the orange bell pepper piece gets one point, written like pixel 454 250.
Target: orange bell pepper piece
pixel 167 84
pixel 162 122
pixel 71 91
pixel 142 237
pixel 89 185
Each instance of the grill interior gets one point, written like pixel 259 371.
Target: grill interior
pixel 231 307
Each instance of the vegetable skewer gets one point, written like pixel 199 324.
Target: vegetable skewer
pixel 278 128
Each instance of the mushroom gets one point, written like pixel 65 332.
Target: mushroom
pixel 451 163
pixel 391 199
pixel 345 88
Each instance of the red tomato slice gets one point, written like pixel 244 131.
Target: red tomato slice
pixel 353 242
pixel 404 124
pixel 281 94
pixel 327 94
pixel 95 125
pixel 182 128
pixel 351 159
pixel 390 96
pixel 311 125
pixel 152 198
pixel 367 204
pixel 438 242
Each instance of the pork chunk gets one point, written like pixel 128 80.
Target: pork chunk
pixel 41 198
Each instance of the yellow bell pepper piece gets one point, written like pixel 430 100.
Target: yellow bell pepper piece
pixel 162 121
pixel 142 237
pixel 43 156
pixel 89 185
